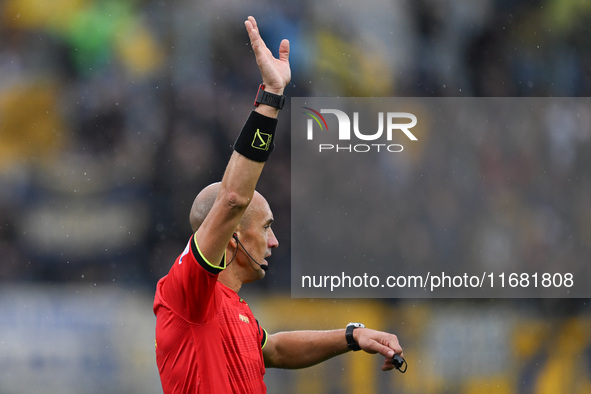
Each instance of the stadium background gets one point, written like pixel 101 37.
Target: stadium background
pixel 113 113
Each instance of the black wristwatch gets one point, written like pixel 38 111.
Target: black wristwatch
pixel 264 97
pixel 351 343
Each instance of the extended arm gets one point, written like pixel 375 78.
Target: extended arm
pixel 242 174
pixel 300 349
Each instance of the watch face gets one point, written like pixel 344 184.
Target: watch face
pixel 357 325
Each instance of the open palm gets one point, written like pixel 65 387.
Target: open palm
pixel 276 73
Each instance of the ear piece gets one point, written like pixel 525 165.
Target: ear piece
pixel 235 236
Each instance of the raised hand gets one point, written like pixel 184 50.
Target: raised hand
pixel 276 73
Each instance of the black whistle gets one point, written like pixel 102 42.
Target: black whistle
pixel 399 363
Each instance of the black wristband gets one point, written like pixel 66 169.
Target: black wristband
pixel 256 138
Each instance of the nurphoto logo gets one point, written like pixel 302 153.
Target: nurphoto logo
pixel 396 123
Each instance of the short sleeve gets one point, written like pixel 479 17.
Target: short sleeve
pixel 189 288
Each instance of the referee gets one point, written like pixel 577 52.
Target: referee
pixel 207 339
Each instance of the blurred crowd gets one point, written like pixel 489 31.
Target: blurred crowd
pixel 114 114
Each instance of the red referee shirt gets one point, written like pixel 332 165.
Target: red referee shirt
pixel 207 339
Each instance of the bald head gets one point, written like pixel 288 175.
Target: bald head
pixel 202 205
pixel 205 200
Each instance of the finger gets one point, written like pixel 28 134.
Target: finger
pixel 252 29
pixel 249 30
pixel 256 42
pixel 393 344
pixel 250 23
pixel 390 349
pixel 376 347
pixel 254 22
pixel 388 365
pixel 386 351
pixel 284 50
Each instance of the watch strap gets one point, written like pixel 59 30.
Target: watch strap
pixel 271 99
pixel 351 342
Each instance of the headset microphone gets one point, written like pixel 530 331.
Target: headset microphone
pixel 263 267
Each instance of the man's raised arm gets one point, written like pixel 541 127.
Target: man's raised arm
pixel 251 150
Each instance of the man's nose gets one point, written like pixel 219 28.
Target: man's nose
pixel 273 242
